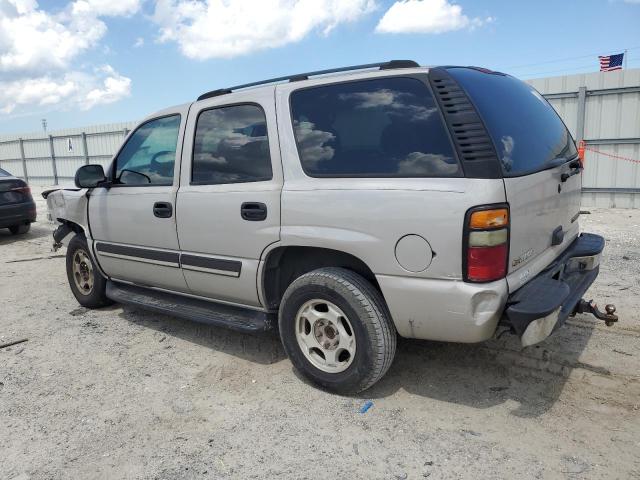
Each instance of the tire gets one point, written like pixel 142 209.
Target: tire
pixel 366 337
pixel 20 229
pixel 86 282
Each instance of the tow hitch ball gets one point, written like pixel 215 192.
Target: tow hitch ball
pixel 589 307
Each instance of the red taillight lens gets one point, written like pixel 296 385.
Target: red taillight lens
pixel 486 243
pixel 486 263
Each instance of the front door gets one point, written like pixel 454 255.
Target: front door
pixel 133 223
pixel 228 205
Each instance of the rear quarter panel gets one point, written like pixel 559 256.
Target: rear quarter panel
pixel 367 217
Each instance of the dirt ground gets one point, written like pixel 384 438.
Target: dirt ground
pixel 122 393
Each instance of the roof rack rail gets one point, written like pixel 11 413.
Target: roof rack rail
pixel 390 65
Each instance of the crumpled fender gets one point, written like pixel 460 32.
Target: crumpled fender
pixel 68 205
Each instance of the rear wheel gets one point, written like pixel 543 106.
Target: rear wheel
pixel 86 282
pixel 336 330
pixel 20 229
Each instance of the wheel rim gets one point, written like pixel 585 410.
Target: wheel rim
pixel 83 272
pixel 325 336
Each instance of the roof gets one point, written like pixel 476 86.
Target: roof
pixel 390 65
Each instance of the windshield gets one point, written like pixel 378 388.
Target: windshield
pixel 528 134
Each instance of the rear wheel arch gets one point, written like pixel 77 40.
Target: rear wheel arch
pixel 284 264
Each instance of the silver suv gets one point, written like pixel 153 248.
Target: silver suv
pixel 346 207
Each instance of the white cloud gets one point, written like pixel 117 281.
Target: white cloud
pixel 39 51
pixel 113 88
pixel 108 8
pixel 224 29
pixel 139 42
pixel 426 16
pixel 71 90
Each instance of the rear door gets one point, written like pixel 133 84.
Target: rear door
pixel 133 223
pixel 535 150
pixel 228 205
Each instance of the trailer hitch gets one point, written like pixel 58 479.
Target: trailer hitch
pixel 589 307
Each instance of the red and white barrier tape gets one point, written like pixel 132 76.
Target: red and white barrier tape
pixel 612 155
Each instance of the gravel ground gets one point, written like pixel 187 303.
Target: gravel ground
pixel 122 393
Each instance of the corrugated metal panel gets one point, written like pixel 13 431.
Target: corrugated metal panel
pixel 68 150
pixel 611 118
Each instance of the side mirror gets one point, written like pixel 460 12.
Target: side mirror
pixel 90 176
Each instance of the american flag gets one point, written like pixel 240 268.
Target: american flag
pixel 611 62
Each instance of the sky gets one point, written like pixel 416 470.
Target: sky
pixel 85 62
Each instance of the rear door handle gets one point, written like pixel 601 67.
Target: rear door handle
pixel 253 211
pixel 162 209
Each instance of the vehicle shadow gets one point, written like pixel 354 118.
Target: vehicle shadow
pixel 490 373
pixel 38 230
pixel 474 375
pixel 263 348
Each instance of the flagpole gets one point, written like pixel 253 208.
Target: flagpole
pixel 625 58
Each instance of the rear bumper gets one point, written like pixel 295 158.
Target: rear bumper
pixel 16 214
pixel 542 306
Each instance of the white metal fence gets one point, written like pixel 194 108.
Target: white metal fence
pixel 603 109
pixel 53 159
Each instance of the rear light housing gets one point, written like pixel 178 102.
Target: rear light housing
pixel 25 190
pixel 485 247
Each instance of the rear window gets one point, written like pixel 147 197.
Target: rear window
pixel 528 134
pixel 387 127
pixel 4 173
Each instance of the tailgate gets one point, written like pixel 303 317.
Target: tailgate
pixel 544 220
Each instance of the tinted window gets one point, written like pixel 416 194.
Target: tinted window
pixel 388 127
pixel 231 146
pixel 526 130
pixel 149 155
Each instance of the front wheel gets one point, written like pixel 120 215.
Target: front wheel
pixel 86 282
pixel 336 330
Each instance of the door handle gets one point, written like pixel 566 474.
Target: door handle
pixel 162 209
pixel 253 211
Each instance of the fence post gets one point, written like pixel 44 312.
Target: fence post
pixel 126 132
pixel 24 161
pixel 582 103
pixel 84 148
pixel 53 161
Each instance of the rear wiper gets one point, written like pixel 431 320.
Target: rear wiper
pixel 576 168
pixel 556 162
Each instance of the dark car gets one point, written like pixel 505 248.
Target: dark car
pixel 17 208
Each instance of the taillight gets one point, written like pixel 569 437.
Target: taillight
pixel 26 190
pixel 486 243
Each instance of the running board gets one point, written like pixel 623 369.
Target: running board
pixel 196 310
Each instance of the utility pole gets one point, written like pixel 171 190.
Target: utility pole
pixel 624 58
pixel 44 125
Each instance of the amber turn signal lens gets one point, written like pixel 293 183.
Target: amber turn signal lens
pixel 495 218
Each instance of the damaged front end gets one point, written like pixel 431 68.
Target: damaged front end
pixel 66 208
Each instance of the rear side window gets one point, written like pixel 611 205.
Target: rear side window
pixel 528 134
pixel 4 173
pixel 231 146
pixel 387 127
